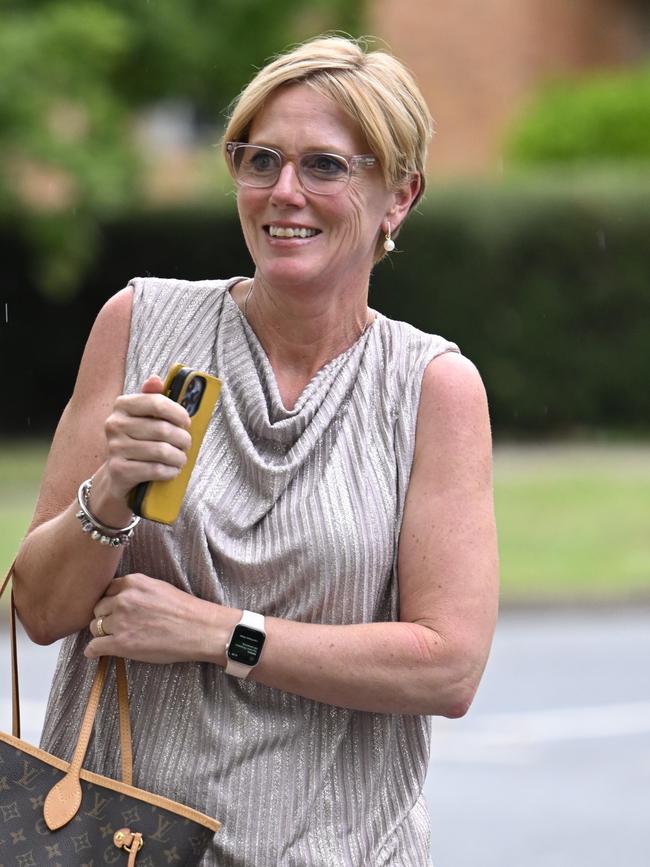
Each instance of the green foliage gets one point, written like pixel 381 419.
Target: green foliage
pixel 74 72
pixel 208 49
pixel 543 284
pixel 58 112
pixel 605 118
pixel 65 157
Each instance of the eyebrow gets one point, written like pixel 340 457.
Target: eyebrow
pixel 320 149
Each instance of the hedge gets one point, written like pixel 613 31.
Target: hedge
pixel 544 285
pixel 602 117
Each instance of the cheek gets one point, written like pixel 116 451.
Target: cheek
pixel 245 205
pixel 362 222
pixel 246 209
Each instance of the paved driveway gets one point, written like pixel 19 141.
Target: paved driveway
pixel 551 767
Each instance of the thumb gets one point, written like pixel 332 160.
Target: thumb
pixel 153 385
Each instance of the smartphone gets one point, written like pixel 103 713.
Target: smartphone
pixel 198 392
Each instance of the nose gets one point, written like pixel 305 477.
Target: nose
pixel 287 188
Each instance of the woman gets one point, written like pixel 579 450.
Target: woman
pixel 341 504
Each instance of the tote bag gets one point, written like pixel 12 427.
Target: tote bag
pixel 55 813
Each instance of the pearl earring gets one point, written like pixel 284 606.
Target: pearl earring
pixel 389 244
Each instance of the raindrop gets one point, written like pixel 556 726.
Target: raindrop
pixel 602 239
pixel 6 312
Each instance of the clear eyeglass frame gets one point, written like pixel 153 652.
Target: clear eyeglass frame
pixel 321 186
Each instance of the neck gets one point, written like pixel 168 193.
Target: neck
pixel 302 331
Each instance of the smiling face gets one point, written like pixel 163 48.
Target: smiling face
pixel 302 239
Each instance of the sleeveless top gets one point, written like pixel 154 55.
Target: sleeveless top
pixel 294 514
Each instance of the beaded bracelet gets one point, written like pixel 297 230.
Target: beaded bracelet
pixel 113 536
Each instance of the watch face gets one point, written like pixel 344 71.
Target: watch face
pixel 246 645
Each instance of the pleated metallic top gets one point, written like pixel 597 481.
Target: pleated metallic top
pixel 294 514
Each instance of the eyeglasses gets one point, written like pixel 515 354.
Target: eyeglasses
pixel 323 174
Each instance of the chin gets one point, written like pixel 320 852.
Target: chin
pixel 289 272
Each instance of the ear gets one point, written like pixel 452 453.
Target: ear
pixel 403 199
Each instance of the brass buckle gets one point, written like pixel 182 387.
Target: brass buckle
pixel 138 842
pixel 130 841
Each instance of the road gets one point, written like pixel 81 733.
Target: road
pixel 551 767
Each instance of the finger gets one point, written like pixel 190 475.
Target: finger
pixel 103 607
pixel 153 406
pixel 99 627
pixel 125 473
pixel 122 427
pixel 147 451
pixel 116 586
pixel 153 385
pixel 101 647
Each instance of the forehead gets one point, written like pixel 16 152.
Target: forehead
pixel 297 118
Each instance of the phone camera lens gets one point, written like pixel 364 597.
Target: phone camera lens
pixel 193 394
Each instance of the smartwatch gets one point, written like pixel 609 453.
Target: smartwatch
pixel 245 644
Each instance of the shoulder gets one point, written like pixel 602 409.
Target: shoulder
pixel 405 355
pixel 108 343
pixel 109 337
pixel 453 417
pixel 439 394
pixel 451 382
pixel 407 346
pixel 116 312
pixel 159 288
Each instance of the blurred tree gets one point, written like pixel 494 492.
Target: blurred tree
pixel 74 72
pixel 601 119
pixel 64 156
pixel 208 49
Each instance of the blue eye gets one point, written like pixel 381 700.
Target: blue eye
pixel 251 161
pixel 262 162
pixel 325 166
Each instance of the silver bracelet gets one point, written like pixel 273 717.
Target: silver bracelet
pixel 113 536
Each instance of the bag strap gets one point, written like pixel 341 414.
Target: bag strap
pixel 91 706
pixel 15 695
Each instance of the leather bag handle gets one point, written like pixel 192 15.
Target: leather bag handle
pixel 65 796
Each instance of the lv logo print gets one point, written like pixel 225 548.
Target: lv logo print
pixel 88 840
pixel 53 813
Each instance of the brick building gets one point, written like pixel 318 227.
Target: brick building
pixel 477 61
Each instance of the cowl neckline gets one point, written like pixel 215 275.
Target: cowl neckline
pixel 252 397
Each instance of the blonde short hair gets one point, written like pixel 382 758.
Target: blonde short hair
pixel 373 87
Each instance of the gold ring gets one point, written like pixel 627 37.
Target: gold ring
pixel 100 627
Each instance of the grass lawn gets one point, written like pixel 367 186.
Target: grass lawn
pixel 574 521
pixel 21 466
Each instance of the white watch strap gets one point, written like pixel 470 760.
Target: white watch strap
pixel 238 669
pixel 253 621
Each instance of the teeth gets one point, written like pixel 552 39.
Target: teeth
pixel 282 232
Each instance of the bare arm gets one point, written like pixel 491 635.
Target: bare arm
pixel 429 662
pixel 60 572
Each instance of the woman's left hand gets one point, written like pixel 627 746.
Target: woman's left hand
pixel 149 620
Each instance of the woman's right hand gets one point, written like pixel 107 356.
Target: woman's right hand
pixel 147 437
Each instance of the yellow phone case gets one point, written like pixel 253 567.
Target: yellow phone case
pixel 161 501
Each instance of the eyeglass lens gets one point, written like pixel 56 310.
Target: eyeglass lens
pixel 257 166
